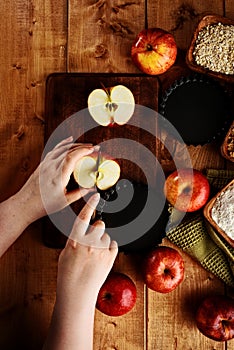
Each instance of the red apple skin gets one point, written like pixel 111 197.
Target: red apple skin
pixel 215 317
pixel 117 295
pixel 163 269
pixel 187 190
pixel 154 51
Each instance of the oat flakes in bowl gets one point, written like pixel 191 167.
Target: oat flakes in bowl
pixel 211 49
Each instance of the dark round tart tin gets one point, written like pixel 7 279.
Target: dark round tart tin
pixel 198 107
pixel 157 215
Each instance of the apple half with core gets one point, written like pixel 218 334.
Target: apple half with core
pixel 117 295
pixel 95 170
pixel 163 269
pixel 154 51
pixel 215 317
pixel 187 190
pixel 112 105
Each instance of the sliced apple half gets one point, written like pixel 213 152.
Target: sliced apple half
pixel 111 105
pixel 93 171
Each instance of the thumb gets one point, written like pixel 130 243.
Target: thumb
pixel 75 195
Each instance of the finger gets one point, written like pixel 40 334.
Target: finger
pixel 58 149
pixel 78 144
pixel 75 195
pixel 114 246
pixel 106 239
pixel 68 152
pixel 62 151
pixel 72 158
pixel 64 141
pixel 82 221
pixel 97 228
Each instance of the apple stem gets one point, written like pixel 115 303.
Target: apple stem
pixel 106 91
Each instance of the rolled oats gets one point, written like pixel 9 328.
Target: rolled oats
pixel 230 143
pixel 214 48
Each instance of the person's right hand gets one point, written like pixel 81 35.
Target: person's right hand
pixel 87 257
pixel 83 266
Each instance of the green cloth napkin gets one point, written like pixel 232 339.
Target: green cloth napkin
pixel 196 236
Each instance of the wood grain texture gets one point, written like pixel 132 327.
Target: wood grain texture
pixel 181 18
pixel 171 316
pixel 128 331
pixel 33 44
pixel 105 47
pixel 100 34
pixel 229 9
pixel 39 37
pixel 67 94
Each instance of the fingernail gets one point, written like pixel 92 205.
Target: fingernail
pixel 96 197
pixel 96 148
pixel 70 138
pixel 85 191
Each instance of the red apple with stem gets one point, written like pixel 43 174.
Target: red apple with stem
pixel 117 295
pixel 163 269
pixel 154 51
pixel 215 317
pixel 187 190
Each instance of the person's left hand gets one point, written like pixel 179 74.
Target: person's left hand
pixel 45 191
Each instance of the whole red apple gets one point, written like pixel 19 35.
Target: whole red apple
pixel 187 189
pixel 154 51
pixel 163 269
pixel 215 317
pixel 117 295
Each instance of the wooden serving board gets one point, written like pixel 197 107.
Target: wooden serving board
pixel 66 96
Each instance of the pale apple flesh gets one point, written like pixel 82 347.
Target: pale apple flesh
pixel 85 172
pixel 108 174
pixel 88 173
pixel 113 105
pixel 187 190
pixel 154 51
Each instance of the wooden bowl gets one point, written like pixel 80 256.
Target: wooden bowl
pixel 207 214
pixel 226 142
pixel 206 20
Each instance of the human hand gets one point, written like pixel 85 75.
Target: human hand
pixel 45 191
pixel 83 266
pixel 87 258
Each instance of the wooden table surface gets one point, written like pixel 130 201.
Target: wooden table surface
pixel 39 37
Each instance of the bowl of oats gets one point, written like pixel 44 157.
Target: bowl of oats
pixel 211 49
pixel 219 213
pixel 227 147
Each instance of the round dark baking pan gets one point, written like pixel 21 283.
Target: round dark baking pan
pixel 137 218
pixel 198 107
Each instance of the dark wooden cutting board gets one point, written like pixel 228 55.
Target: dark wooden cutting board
pixel 67 94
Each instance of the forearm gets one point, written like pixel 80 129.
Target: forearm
pixel 16 213
pixel 71 327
